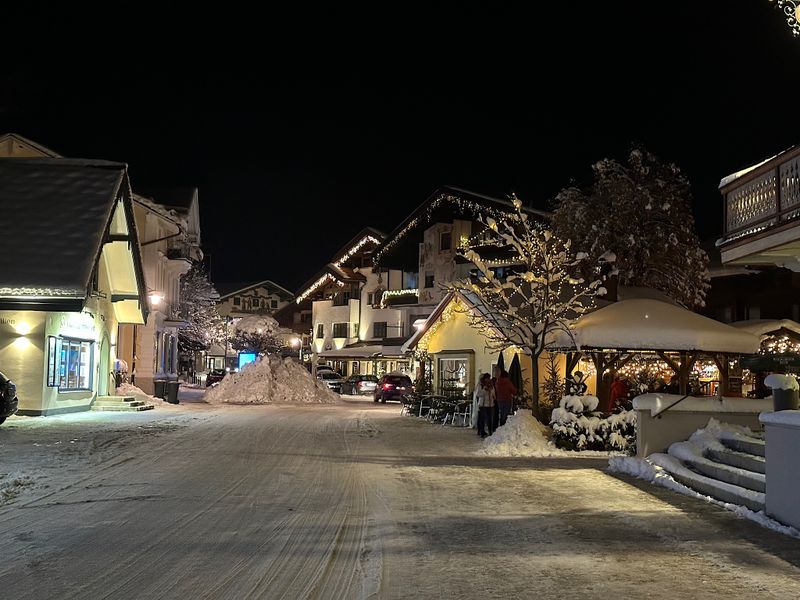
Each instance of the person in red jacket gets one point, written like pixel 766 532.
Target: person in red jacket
pixel 619 392
pixel 505 390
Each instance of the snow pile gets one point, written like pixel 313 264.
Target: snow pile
pixel 781 382
pixel 270 380
pixel 522 435
pixel 128 389
pixel 656 402
pixel 651 469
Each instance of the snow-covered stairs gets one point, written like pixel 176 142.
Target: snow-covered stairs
pixel 120 403
pixel 723 461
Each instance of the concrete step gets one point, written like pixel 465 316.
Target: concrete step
pixel 116 399
pixel 745 479
pixel 720 490
pixel 747 445
pixel 123 404
pixel 741 460
pixel 127 407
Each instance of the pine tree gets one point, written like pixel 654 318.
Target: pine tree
pixel 198 307
pixel 642 213
pixel 545 292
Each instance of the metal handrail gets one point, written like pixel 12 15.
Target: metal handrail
pixel 662 411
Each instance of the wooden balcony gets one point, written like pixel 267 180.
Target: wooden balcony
pixel 762 213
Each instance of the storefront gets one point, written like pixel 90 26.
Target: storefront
pixel 60 310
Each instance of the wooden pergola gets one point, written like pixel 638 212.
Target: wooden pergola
pixel 612 336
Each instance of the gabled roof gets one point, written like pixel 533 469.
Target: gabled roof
pixel 646 324
pixel 267 283
pixel 178 198
pixel 61 214
pixel 14 145
pixel 456 203
pixel 368 234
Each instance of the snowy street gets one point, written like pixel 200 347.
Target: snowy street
pixel 347 500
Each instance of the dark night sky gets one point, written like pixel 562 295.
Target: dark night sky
pixel 300 128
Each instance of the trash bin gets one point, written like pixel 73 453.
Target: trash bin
pixel 172 392
pixel 160 389
pixel 784 399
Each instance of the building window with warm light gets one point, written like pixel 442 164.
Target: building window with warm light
pixel 379 329
pixel 340 330
pixel 320 331
pixel 69 364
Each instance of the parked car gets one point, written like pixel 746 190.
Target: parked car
pixel 215 376
pixel 8 398
pixel 332 379
pixel 360 384
pixel 393 386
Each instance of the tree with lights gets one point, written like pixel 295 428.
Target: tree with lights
pixel 258 333
pixel 546 290
pixel 642 213
pixel 198 307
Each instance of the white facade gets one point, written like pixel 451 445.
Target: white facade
pixel 259 298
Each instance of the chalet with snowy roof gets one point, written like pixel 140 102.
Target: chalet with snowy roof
pixel 263 297
pixel 70 275
pixel 358 315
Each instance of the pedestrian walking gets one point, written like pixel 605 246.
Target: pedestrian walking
pixel 505 391
pixel 486 402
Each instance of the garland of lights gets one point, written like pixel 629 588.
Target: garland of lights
pixel 462 203
pixel 790 8
pixel 395 293
pixel 454 306
pixel 344 258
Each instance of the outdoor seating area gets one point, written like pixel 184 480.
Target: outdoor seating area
pixel 439 409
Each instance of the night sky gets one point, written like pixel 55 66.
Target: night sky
pixel 301 127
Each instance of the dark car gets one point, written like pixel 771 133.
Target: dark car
pixel 215 376
pixel 393 386
pixel 8 397
pixel 360 384
pixel 332 379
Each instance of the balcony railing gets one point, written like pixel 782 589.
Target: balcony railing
pixel 767 196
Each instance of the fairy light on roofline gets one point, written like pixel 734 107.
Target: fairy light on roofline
pixel 343 259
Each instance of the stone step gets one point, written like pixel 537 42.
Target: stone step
pixel 127 407
pixel 122 404
pixel 742 460
pixel 740 477
pixel 747 445
pixel 711 487
pixel 116 399
pixel 720 490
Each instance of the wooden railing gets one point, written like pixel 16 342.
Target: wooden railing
pixel 767 196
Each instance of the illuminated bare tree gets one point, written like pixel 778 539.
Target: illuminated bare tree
pixel 542 289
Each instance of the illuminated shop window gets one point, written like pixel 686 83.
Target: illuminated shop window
pixel 69 364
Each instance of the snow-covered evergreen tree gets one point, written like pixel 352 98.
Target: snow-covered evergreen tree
pixel 545 292
pixel 258 333
pixel 642 213
pixel 198 307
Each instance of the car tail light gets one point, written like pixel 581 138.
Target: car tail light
pixel 387 386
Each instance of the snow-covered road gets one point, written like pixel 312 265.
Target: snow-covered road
pixel 347 501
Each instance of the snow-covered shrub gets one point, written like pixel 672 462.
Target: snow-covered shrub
pixel 577 426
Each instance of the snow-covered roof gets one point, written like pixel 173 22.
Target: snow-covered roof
pixel 764 326
pixel 655 403
pixel 646 324
pixel 363 351
pixel 58 213
pixel 267 283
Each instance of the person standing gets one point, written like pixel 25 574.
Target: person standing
pixel 505 390
pixel 619 393
pixel 486 402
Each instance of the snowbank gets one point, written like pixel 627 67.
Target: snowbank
pixel 649 470
pixel 271 380
pixel 128 389
pixel 523 435
pixel 781 382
